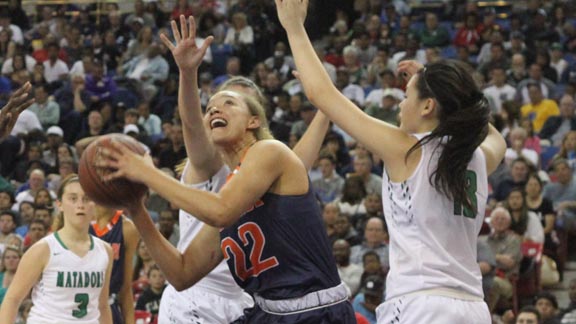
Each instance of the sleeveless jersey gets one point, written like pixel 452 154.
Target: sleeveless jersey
pixel 279 248
pixel 433 238
pixel 113 234
pixel 70 286
pixel 219 280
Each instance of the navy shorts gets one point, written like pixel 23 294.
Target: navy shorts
pixel 341 313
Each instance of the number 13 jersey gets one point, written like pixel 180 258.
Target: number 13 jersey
pixel 70 286
pixel 433 238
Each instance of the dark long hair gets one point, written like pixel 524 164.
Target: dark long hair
pixel 463 114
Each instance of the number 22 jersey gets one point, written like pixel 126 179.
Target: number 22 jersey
pixel 70 285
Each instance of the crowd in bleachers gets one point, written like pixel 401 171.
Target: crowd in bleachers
pixel 97 70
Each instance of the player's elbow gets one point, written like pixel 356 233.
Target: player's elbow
pixel 184 283
pixel 222 217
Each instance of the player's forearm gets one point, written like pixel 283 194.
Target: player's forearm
pixel 127 303
pixel 8 310
pixel 309 145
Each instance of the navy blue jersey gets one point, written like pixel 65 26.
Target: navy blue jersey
pixel 114 235
pixel 280 249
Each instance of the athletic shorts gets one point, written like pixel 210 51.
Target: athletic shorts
pixel 432 309
pixel 200 306
pixel 341 313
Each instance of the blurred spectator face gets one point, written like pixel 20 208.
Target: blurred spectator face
pixel 500 220
pixel 431 21
pixel 66 167
pixel 53 141
pixel 342 79
pixel 499 76
pixel 563 173
pixel 11 259
pixel 167 129
pixel 341 226
pixel 7 224
pixel 373 204
pixel 362 166
pixel 326 167
pixel 350 59
pixel 144 110
pixel 388 102
pixel 374 231
pixel 295 103
pixel 98 70
pixel 43 198
pixel 4 36
pixel 18 63
pixel 176 135
pixel 545 308
pixel 5 201
pixel 527 318
pixel 40 95
pixel 44 215
pixel 52 52
pixel 95 119
pixel 497 53
pixel 26 211
pixel 329 215
pixel 156 279
pixel 36 232
pixel 518 62
pixel 239 20
pixel 36 180
pixel 166 221
pixel 272 81
pixel 515 200
pixel 533 187
pixel 535 72
pixel 569 142
pixel 63 152
pixel 371 264
pixel 535 94
pixel 567 107
pixel 363 41
pixel 471 21
pixel 341 250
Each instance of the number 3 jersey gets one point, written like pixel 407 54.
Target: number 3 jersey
pixel 433 238
pixel 70 286
pixel 279 248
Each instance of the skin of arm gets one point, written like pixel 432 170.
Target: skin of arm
pixel 268 158
pixel 549 221
pixel 494 148
pixel 505 261
pixel 182 270
pixel 29 271
pixel 485 267
pixel 126 298
pixel 103 306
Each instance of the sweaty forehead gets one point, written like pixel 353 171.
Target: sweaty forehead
pixel 225 94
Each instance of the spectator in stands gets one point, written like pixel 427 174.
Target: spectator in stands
pixel 544 209
pixel 562 193
pixel 10 260
pixel 8 224
pixel 434 35
pixel 547 306
pixel 387 110
pixel 374 236
pixel 26 213
pixel 536 78
pixel 350 90
pixel 54 68
pixel 371 296
pixel 498 90
pixel 144 263
pixel 517 139
pixel 36 231
pixel 363 168
pixel 505 245
pixel 6 199
pixel 568 315
pixel 140 14
pixel 150 298
pixel 366 51
pixel 27 122
pixel 557 61
pixel 330 185
pixel 99 86
pixel 47 110
pixel 356 71
pixel 519 170
pixel 149 70
pixel 173 155
pixel 469 35
pixel 487 263
pixel 140 45
pixel 307 113
pixel 233 66
pixel 524 222
pixel 556 127
pixel 539 109
pixel 528 315
pixel 353 193
pixel 517 45
pixel 517 72
pixel 330 212
pixel 95 126
pixel 497 59
pixel 150 122
pixel 17 15
pixel 6 23
pixel 168 227
pixel 343 230
pixel 37 181
pixel 350 273
pixel 181 7
pixel 543 59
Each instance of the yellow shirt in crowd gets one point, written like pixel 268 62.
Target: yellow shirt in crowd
pixel 539 113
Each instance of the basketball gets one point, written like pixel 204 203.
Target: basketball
pixel 112 194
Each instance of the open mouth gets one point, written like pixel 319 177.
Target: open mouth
pixel 80 214
pixel 218 123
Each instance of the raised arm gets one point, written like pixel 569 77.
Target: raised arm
pixel 385 140
pixel 182 270
pixel 494 148
pixel 17 102
pixel 202 155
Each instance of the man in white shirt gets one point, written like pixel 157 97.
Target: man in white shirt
pixel 499 91
pixel 26 122
pixel 5 22
pixel 388 85
pixel 54 68
pixel 350 273
pixel 351 91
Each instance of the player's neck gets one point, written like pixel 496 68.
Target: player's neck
pixel 233 154
pixel 73 235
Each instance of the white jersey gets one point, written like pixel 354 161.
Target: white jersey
pixel 70 286
pixel 432 239
pixel 177 306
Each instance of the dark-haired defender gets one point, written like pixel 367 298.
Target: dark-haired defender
pixel 435 180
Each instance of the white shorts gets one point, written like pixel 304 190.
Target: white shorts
pixel 196 305
pixel 432 309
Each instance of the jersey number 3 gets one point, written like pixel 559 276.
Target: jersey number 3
pixel 82 300
pixel 258 242
pixel 471 187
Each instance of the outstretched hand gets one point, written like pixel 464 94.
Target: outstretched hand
pixel 409 68
pixel 292 13
pixel 124 162
pixel 187 54
pixel 16 104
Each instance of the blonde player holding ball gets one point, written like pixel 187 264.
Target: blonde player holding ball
pixel 434 184
pixel 68 271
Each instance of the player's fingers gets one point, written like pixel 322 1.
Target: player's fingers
pixel 296 74
pixel 23 89
pixel 113 175
pixel 167 41
pixel 192 27
pixel 206 44
pixel 183 27
pixel 175 31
